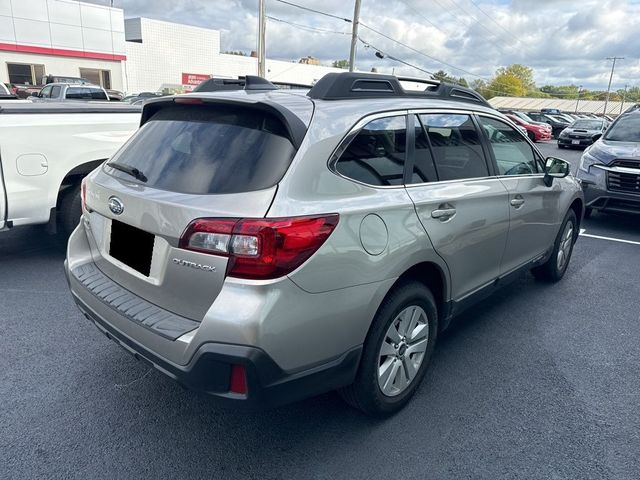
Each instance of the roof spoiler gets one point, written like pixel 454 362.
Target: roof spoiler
pixel 248 82
pixel 353 85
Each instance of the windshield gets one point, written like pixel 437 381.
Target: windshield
pixel 202 150
pixel 626 129
pixel 524 117
pixel 587 124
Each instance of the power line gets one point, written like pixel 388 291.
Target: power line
pixel 419 52
pixel 494 21
pixel 417 12
pixel 314 11
pixel 367 45
pixel 307 28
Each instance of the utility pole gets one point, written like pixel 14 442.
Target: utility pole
pixel 354 36
pixel 624 96
pixel 606 102
pixel 579 90
pixel 261 38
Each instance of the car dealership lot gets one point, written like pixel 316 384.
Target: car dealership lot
pixel 539 381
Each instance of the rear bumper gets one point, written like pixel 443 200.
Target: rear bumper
pixel 209 369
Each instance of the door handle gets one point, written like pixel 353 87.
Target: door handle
pixel 443 213
pixel 517 202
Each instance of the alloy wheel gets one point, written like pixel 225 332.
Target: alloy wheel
pixel 402 350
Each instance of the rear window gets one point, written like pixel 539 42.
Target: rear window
pixel 208 150
pixel 83 93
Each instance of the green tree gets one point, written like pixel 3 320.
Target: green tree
pixel 506 84
pixel 444 77
pixel 341 64
pixel 521 72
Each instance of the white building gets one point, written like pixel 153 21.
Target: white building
pixel 173 55
pixel 61 37
pixel 76 39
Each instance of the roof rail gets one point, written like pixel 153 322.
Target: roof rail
pixel 351 85
pixel 248 82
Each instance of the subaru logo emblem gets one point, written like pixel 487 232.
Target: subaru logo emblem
pixel 116 206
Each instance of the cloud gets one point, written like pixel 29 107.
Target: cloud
pixel 563 41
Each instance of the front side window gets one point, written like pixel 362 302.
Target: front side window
pixel 45 92
pixel 55 91
pixel 376 155
pixel 456 146
pixel 513 154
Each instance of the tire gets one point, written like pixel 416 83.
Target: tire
pixel 561 147
pixel 366 393
pixel 70 210
pixel 588 212
pixel 555 267
pixel 531 136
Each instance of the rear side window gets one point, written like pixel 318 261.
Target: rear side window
pixel 377 153
pixel 97 94
pixel 456 146
pixel 208 150
pixel 77 93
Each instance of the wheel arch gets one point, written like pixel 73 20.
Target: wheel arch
pixel 75 175
pixel 578 208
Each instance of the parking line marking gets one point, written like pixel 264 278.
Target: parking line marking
pixel 600 237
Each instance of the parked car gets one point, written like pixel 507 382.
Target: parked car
pixel 327 242
pixel 61 92
pixel 140 98
pixel 536 132
pixel 557 123
pixel 5 93
pixel 26 91
pixel 580 133
pixel 114 95
pixel 610 168
pixel 47 149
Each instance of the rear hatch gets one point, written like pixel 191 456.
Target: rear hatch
pixel 215 158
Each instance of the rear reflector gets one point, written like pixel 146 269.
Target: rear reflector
pixel 261 248
pixel 83 194
pixel 238 380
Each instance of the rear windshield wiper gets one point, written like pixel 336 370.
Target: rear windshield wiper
pixel 134 172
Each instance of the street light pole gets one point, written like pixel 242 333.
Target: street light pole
pixel 261 38
pixel 606 102
pixel 579 90
pixel 354 36
pixel 624 96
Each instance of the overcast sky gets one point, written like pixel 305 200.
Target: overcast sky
pixel 564 41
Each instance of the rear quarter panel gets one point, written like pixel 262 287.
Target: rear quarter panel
pixel 55 145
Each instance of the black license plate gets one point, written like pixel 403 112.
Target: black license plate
pixel 132 246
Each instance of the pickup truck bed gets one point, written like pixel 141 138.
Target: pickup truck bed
pixel 47 148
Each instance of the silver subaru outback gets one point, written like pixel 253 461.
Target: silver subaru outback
pixel 264 245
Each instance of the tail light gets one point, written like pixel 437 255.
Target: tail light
pixel 83 194
pixel 260 248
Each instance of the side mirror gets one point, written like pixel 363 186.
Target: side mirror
pixel 555 168
pixel 596 137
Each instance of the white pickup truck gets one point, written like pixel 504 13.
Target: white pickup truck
pixel 46 150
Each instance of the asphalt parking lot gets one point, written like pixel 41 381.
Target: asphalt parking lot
pixel 537 382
